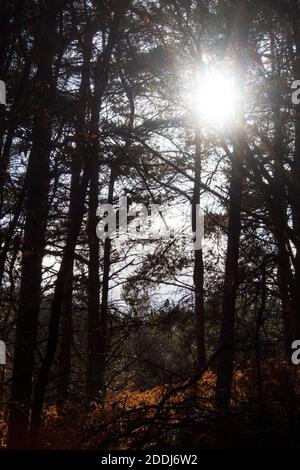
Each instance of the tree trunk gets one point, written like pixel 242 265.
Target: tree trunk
pixel 198 263
pixel 103 336
pixel 226 352
pixel 231 281
pixel 93 383
pixel 66 341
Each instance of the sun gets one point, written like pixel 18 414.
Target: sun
pixel 214 99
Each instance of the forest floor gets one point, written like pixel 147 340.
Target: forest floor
pixel 262 414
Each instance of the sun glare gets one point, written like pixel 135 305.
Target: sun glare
pixel 214 99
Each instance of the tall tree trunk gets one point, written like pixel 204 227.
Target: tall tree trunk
pixel 226 352
pixel 103 333
pixel 34 238
pixel 66 341
pixel 198 275
pixel 286 284
pixel 231 281
pixel 93 372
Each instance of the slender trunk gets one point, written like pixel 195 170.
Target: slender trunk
pixel 259 323
pixel 226 352
pixel 93 373
pixel 66 341
pixel 103 336
pixel 231 280
pixel 198 263
pixel 285 281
